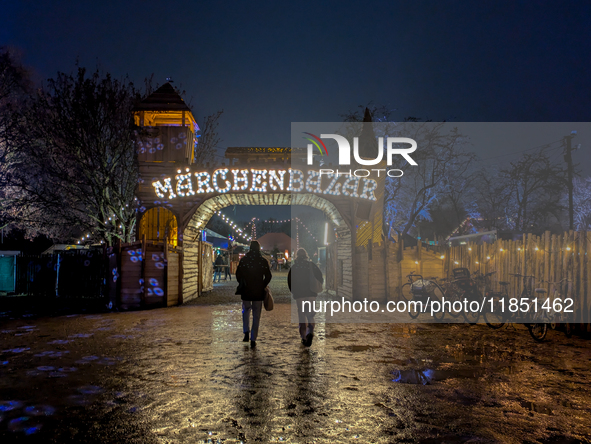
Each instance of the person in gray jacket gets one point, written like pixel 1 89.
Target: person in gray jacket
pixel 302 270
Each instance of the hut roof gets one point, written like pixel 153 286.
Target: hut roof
pixel 164 98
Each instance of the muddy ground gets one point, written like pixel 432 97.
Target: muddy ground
pixel 183 375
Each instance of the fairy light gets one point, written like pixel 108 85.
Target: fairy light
pixel 238 180
pixel 160 189
pixel 203 179
pixel 314 182
pixel 258 184
pixel 222 174
pixel 263 180
pixel 369 186
pixel 350 187
pixel 276 179
pixel 295 176
pixel 234 226
pixel 184 183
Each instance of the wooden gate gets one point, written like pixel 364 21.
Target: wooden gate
pixel 150 275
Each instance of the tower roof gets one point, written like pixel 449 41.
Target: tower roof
pixel 164 98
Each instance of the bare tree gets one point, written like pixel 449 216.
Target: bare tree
pixel 79 172
pixel 535 185
pixel 209 140
pixel 582 204
pixel 492 199
pixel 442 165
pixel 15 86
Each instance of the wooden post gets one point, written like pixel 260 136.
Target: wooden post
pixel 547 253
pixel 199 268
pixel 119 279
pixel 143 270
pixel 165 280
pixel 420 256
pixel 353 251
pixel 386 269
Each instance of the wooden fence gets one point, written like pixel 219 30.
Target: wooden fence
pixel 148 275
pixel 550 258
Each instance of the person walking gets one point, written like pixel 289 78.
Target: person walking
pixel 219 261
pixel 302 272
pixel 227 263
pixel 253 276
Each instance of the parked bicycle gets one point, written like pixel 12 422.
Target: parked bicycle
pixel 424 292
pixel 558 319
pixel 525 309
pixel 462 288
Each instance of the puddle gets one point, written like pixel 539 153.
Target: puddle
pixel 426 376
pixel 357 348
pixel 534 407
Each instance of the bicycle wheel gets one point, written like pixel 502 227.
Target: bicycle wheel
pixel 414 313
pixel 568 331
pixel 438 316
pixel 471 317
pixel 538 331
pixel 437 296
pixel 406 293
pixel 451 296
pixel 494 320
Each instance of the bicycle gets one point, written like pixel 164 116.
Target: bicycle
pixel 536 324
pixel 496 296
pixel 558 318
pixel 461 288
pixel 423 291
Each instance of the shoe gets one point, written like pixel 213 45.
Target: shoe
pixel 245 337
pixel 309 338
pixel 253 344
pixel 304 343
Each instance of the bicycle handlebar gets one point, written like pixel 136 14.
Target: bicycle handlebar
pixel 559 282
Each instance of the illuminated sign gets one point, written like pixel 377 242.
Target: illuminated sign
pixel 224 180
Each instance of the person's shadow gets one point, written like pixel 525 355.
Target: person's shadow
pixel 253 404
pixel 304 395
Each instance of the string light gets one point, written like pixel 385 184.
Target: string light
pixel 214 180
pixel 260 179
pixel 257 181
pixel 184 183
pixel 237 180
pixel 234 226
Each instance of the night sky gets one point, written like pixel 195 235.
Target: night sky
pixel 270 63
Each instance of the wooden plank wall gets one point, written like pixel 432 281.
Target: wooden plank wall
pixel 154 276
pixel 547 257
pixel 172 281
pixel 190 264
pixel 131 292
pixel 151 274
pixel 403 261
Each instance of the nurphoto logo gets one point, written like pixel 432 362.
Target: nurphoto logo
pixel 344 148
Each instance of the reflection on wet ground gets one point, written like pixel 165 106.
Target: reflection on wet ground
pixel 183 375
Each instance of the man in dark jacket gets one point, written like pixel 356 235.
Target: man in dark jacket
pixel 219 261
pixel 302 271
pixel 253 275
